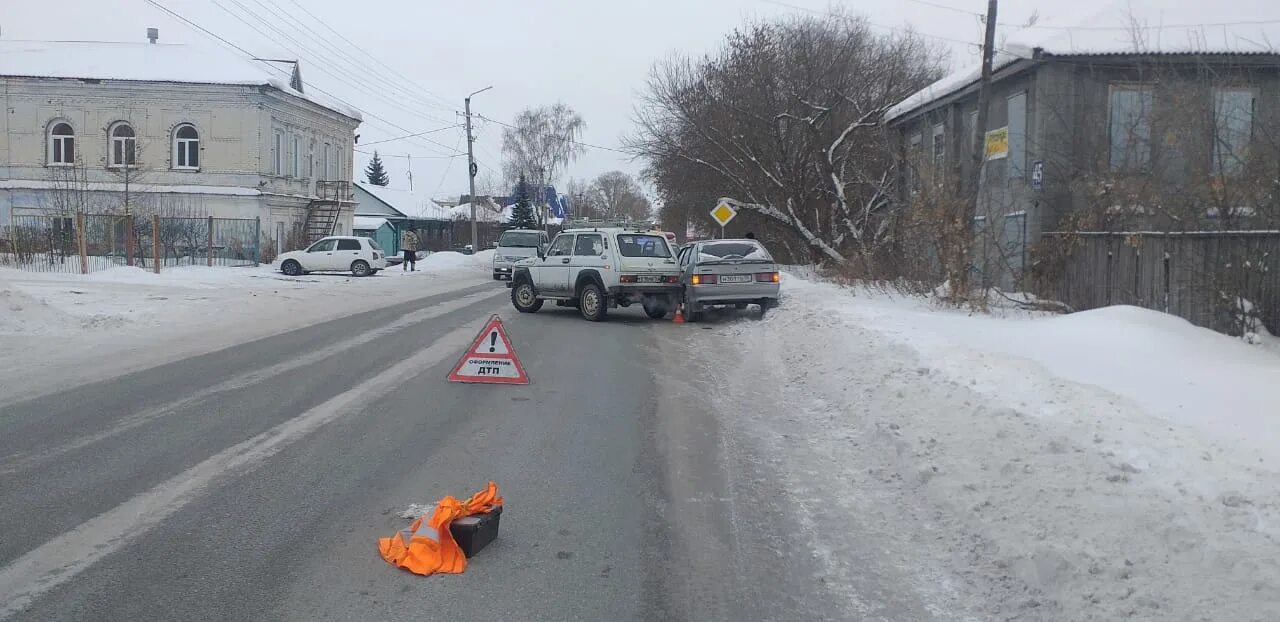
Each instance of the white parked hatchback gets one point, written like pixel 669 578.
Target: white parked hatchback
pixel 339 253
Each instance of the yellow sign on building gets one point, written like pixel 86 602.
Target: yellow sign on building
pixel 998 143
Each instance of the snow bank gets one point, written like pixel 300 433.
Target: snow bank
pixel 1172 369
pixel 445 261
pixel 60 329
pixel 1107 465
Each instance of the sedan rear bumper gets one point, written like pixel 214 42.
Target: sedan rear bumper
pixel 730 294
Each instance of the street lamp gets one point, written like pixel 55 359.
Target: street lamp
pixel 471 172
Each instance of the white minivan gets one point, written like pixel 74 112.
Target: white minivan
pixel 513 246
pixel 339 253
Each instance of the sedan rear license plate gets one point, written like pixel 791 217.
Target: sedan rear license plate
pixel 737 278
pixel 649 278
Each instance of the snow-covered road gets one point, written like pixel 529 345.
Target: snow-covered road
pixel 1116 464
pixel 905 462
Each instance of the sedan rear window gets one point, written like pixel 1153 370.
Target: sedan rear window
pixel 512 239
pixel 373 244
pixel 728 251
pixel 640 245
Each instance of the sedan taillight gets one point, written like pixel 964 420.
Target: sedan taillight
pixel 768 277
pixel 704 279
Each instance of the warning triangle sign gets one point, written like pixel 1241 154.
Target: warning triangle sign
pixel 490 359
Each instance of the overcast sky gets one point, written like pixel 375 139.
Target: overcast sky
pixel 593 55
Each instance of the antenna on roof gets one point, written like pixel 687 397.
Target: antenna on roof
pixel 153 34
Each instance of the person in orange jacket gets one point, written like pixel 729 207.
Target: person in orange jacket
pixel 427 546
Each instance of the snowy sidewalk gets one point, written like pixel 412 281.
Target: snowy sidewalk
pixel 58 330
pixel 1114 464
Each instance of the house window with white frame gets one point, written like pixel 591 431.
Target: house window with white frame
pixel 277 153
pixel 186 147
pixel 124 145
pixel 1233 110
pixel 296 150
pixel 311 159
pixel 326 171
pixel 62 144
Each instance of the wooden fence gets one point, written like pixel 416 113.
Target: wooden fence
pixel 1219 280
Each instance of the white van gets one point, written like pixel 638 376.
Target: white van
pixel 513 246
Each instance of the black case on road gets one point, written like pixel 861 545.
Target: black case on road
pixel 473 533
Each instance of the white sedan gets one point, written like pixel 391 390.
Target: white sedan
pixel 360 256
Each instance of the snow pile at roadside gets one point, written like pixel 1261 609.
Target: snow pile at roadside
pixel 445 261
pixel 1108 465
pixel 1169 367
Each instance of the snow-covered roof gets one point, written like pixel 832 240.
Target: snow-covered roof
pixel 367 222
pixel 413 205
pixel 487 211
pixel 147 62
pixel 1128 27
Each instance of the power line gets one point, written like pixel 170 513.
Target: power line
pixel 349 76
pixel 371 56
pixel 569 140
pixel 411 156
pixel 341 54
pixel 869 23
pixel 948 8
pixel 448 167
pixel 1139 27
pixel 387 140
pixel 250 55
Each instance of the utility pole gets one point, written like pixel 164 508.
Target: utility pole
pixel 471 172
pixel 984 91
pixel 970 203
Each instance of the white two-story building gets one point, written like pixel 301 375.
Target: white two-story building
pixel 171 129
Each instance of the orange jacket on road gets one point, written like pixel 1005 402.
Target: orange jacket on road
pixel 427 546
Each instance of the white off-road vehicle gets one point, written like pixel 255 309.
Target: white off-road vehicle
pixel 596 268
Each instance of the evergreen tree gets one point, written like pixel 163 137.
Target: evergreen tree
pixel 522 212
pixel 376 174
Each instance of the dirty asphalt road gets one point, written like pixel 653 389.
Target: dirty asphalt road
pixel 252 483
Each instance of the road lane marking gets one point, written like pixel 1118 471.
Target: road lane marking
pixel 14 463
pixel 58 560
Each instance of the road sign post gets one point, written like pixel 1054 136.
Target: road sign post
pixel 723 213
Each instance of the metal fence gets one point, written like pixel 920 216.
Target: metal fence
pixel 83 243
pixel 1220 280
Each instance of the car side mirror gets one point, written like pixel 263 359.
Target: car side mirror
pixel 542 254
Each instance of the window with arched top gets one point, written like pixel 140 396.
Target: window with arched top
pixel 62 144
pixel 186 147
pixel 124 145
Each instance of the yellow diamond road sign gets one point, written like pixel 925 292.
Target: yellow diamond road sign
pixel 723 213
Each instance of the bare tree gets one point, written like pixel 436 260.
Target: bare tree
pixel 583 202
pixel 784 123
pixel 540 143
pixel 620 197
